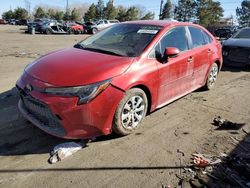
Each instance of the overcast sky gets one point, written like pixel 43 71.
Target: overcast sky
pixel 229 6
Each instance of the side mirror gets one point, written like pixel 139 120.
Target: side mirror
pixel 170 52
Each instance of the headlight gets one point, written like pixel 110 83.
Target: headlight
pixel 84 93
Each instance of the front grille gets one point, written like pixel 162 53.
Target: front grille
pixel 40 112
pixel 239 55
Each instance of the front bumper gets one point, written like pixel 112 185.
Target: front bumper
pixel 236 56
pixel 62 117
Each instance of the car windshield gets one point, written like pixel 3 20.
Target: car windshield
pixel 122 39
pixel 244 33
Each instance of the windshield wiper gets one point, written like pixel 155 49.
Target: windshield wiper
pixel 102 51
pixel 78 45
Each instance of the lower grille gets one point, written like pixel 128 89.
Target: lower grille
pixel 40 112
pixel 239 55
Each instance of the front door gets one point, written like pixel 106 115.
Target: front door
pixel 175 74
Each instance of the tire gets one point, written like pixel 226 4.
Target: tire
pixel 212 77
pixel 48 31
pixel 94 31
pixel 127 116
pixel 70 31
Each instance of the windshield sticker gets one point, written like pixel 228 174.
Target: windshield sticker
pixel 147 31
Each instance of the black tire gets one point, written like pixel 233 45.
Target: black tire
pixel 48 31
pixel 94 31
pixel 212 76
pixel 119 123
pixel 70 31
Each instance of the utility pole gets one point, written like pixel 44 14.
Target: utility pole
pixel 28 6
pixel 67 6
pixel 160 9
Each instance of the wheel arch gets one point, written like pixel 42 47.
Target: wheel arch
pixel 148 94
pixel 219 64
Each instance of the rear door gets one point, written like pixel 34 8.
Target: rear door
pixel 201 54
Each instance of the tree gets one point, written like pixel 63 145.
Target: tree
pixel 40 13
pixel 132 13
pixel 185 10
pixel 100 9
pixel 67 16
pixel 8 15
pixel 243 13
pixel 166 10
pixel 110 10
pixel 75 15
pixel 59 15
pixel 21 13
pixel 121 14
pixel 51 13
pixel 208 12
pixel 91 13
pixel 148 16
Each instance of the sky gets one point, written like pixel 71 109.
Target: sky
pixel 229 6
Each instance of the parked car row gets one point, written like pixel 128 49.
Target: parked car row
pixel 2 22
pixel 14 21
pixel 49 26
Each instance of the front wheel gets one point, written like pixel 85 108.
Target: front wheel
pixel 130 112
pixel 212 76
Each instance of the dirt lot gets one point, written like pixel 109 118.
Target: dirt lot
pixel 147 158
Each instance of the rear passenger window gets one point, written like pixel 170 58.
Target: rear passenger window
pixel 207 38
pixel 197 37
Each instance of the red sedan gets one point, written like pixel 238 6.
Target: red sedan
pixel 111 80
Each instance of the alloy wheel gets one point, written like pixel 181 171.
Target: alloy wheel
pixel 133 112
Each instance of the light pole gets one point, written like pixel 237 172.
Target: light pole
pixel 67 6
pixel 160 9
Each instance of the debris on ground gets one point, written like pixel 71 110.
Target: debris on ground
pixel 224 124
pixel 65 150
pixel 212 171
pixel 201 160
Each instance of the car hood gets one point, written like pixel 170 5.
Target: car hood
pixel 237 42
pixel 75 67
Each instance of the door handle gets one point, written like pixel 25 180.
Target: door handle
pixel 190 59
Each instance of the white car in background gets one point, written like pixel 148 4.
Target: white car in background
pixel 102 24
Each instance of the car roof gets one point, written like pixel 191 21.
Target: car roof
pixel 163 23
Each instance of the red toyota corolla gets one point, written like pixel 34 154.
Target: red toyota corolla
pixel 111 80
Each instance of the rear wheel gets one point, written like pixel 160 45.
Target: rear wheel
pixel 130 112
pixel 48 31
pixel 79 31
pixel 212 76
pixel 94 30
pixel 70 31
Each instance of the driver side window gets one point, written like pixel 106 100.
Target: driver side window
pixel 176 37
